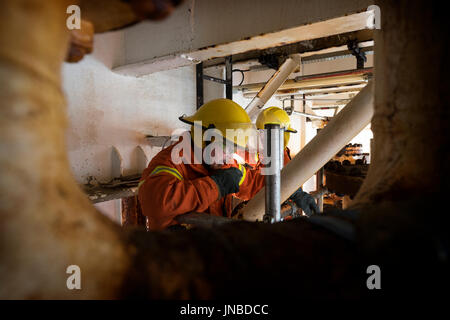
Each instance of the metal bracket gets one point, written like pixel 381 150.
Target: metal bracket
pixel 358 53
pixel 228 82
pixel 289 109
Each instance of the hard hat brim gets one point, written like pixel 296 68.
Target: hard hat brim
pixel 188 120
pixel 291 130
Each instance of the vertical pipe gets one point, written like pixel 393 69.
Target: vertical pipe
pixel 273 181
pixel 319 185
pixel 199 83
pixel 228 78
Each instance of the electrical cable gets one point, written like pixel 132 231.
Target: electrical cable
pixel 242 73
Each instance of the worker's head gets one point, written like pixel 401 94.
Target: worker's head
pixel 229 119
pixel 275 115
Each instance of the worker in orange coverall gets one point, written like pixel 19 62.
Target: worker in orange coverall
pixel 178 182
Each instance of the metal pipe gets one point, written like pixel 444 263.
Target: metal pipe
pixel 319 185
pixel 291 97
pixel 267 91
pixel 308 115
pixel 324 108
pixel 229 78
pixel 339 131
pixel 273 138
pixel 335 74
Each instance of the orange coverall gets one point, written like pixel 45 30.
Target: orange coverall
pixel 167 190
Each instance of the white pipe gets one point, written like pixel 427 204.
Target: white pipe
pixel 341 129
pixel 312 116
pixel 275 82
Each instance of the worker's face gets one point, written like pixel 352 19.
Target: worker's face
pixel 221 152
pixel 221 157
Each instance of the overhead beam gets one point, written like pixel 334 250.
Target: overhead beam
pixel 353 22
pixel 307 48
pixel 304 38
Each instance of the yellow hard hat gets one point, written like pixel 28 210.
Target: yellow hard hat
pixel 223 114
pixel 275 115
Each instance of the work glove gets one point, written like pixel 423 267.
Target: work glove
pixel 305 202
pixel 227 180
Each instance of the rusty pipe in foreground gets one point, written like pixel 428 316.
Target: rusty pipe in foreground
pixel 342 128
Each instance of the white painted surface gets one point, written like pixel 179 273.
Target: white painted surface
pixel 106 109
pixel 201 23
pixel 340 25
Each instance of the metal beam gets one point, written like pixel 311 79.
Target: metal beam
pixel 310 49
pixel 229 78
pixel 214 79
pixel 344 24
pixel 199 83
pixel 308 115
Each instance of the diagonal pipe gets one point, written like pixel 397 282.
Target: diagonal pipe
pixel 275 82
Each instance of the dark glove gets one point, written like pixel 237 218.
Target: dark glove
pixel 227 180
pixel 305 201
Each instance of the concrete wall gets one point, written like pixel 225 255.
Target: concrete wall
pixel 106 109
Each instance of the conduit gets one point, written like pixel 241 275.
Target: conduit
pixel 274 138
pixel 275 82
pixel 356 115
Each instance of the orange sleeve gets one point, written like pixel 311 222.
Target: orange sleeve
pixel 163 197
pixel 253 182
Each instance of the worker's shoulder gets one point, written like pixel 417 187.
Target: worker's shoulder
pixel 167 157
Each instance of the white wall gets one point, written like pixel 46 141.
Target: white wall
pixel 106 109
